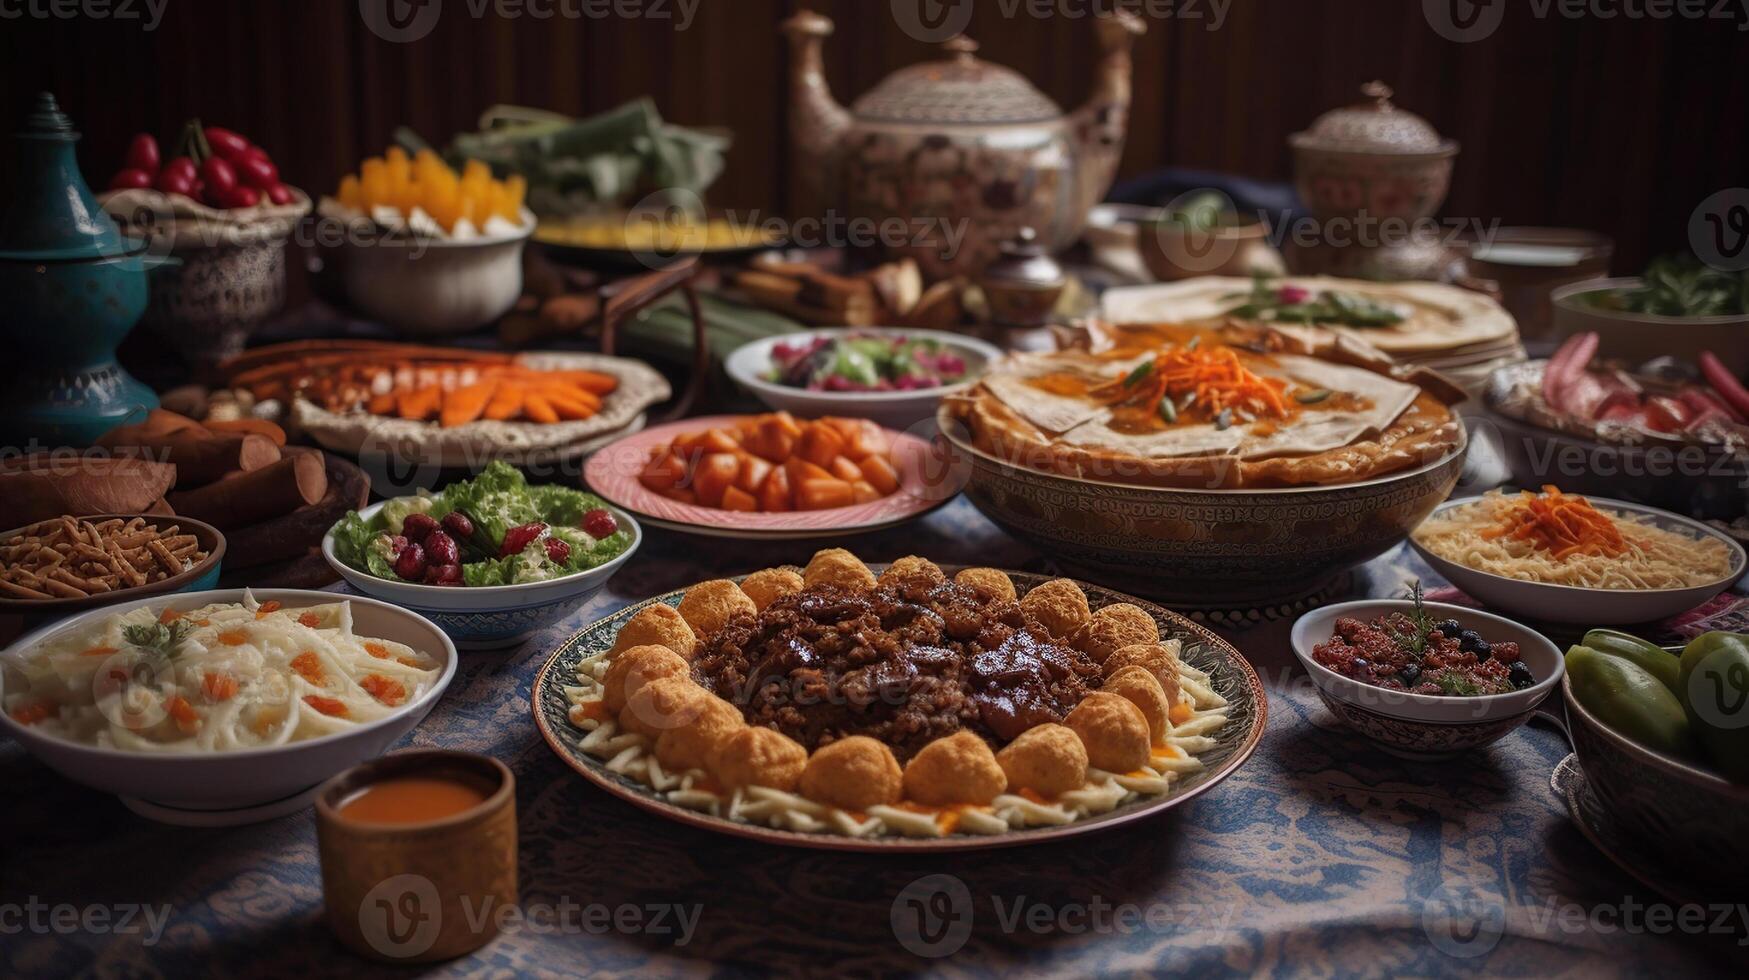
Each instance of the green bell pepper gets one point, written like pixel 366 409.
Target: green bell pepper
pixel 1656 660
pixel 1714 687
pixel 1630 700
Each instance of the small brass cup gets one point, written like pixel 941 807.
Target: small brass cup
pixel 419 892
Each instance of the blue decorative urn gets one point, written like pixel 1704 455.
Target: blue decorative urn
pixel 73 288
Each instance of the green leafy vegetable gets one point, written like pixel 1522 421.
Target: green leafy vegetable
pixel 1679 286
pixel 1291 304
pixel 159 638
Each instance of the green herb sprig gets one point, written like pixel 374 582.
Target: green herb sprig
pixel 158 637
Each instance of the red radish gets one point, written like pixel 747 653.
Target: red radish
pixel 599 524
pixel 142 153
pixel 219 175
pixel 1703 402
pixel 240 197
pixel 279 194
pixel 174 182
pixel 1724 382
pixel 519 537
pixel 1567 364
pixel 1667 414
pixel 129 179
pixel 256 169
pixel 227 144
pixel 558 551
pixel 181 166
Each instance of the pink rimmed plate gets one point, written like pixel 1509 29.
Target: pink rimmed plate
pixel 927 479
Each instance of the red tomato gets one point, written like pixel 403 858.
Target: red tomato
pixel 227 144
pixel 130 178
pixel 142 153
pixel 181 166
pixel 218 173
pixel 256 169
pixel 279 194
pixel 174 182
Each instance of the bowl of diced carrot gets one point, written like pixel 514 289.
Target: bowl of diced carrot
pixel 770 472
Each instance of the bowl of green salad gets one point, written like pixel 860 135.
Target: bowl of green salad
pixel 490 560
pixel 891 375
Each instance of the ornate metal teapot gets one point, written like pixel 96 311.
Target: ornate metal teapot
pixel 962 152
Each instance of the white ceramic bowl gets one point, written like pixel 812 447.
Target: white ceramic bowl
pixel 1423 725
pixel 231 787
pixel 489 616
pixel 893 409
pixel 1587 607
pixel 433 287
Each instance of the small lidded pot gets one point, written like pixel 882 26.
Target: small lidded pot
pixel 1372 159
pixel 1024 283
pixel 418 854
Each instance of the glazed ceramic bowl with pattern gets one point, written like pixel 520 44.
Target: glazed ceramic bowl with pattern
pixel 1204 549
pixel 491 616
pixel 1425 726
pixel 1682 811
pixel 244 785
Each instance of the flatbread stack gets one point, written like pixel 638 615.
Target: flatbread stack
pixel 1462 334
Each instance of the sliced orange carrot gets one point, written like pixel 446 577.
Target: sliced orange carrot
pixel 820 444
pixel 567 404
pixel 714 474
pixel 419 403
pixel 787 423
pixel 506 401
pixel 879 472
pixel 234 638
pixel 734 498
pixel 309 667
pixel 180 711
pixel 386 690
pixel 383 404
pixel 800 469
pixel 664 473
pixel 863 492
pixel 771 441
pixel 377 650
pixel 845 470
pixel 309 619
pixel 328 706
pixel 467 403
pixel 774 492
pixel 538 409
pixel 218 686
pixel 97 652
pixel 824 494
pixel 683 496
pixel 753 473
pixel 718 441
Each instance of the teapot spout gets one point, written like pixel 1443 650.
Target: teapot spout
pixel 1100 122
pixel 817 121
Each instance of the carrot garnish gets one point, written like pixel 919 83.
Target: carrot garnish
pixel 386 690
pixel 267 609
pixel 329 706
pixel 309 667
pixel 1559 523
pixel 310 619
pixel 1206 380
pixel 186 718
pixel 218 687
pixel 233 638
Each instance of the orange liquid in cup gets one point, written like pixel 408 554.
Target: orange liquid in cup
pixel 410 800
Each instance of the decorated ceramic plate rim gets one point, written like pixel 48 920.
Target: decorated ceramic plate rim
pixel 1230 674
pixel 1662 519
pixel 612 474
pixel 955 432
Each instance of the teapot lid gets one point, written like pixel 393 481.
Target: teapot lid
pixel 53 216
pixel 1373 126
pixel 961 89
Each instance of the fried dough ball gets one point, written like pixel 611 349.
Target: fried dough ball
pixel 708 606
pixel 1114 731
pixel 1159 659
pixel 662 625
pixel 1113 628
pixel 1048 759
pixel 1059 606
pixel 631 669
pixel 912 569
pixel 992 580
pixel 1138 687
pixel 854 773
pixel 768 586
pixel 758 756
pixel 957 769
pixel 664 703
pixel 689 745
pixel 835 566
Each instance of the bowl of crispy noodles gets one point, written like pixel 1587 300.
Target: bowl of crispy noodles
pixel 1564 558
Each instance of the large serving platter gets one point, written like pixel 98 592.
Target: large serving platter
pixel 1229 676
pixel 924 485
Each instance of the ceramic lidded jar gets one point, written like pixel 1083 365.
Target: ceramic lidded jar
pixel 944 161
pixel 1374 159
pixel 73 288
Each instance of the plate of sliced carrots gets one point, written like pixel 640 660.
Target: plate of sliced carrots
pixel 449 406
pixel 773 476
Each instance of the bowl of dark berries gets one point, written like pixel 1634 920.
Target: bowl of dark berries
pixel 1425 680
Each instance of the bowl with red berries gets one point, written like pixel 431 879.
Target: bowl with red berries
pixel 490 560
pixel 216 217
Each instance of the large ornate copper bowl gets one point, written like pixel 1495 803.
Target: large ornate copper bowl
pixel 1204 549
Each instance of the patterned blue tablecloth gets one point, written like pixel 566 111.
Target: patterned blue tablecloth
pixel 1320 856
